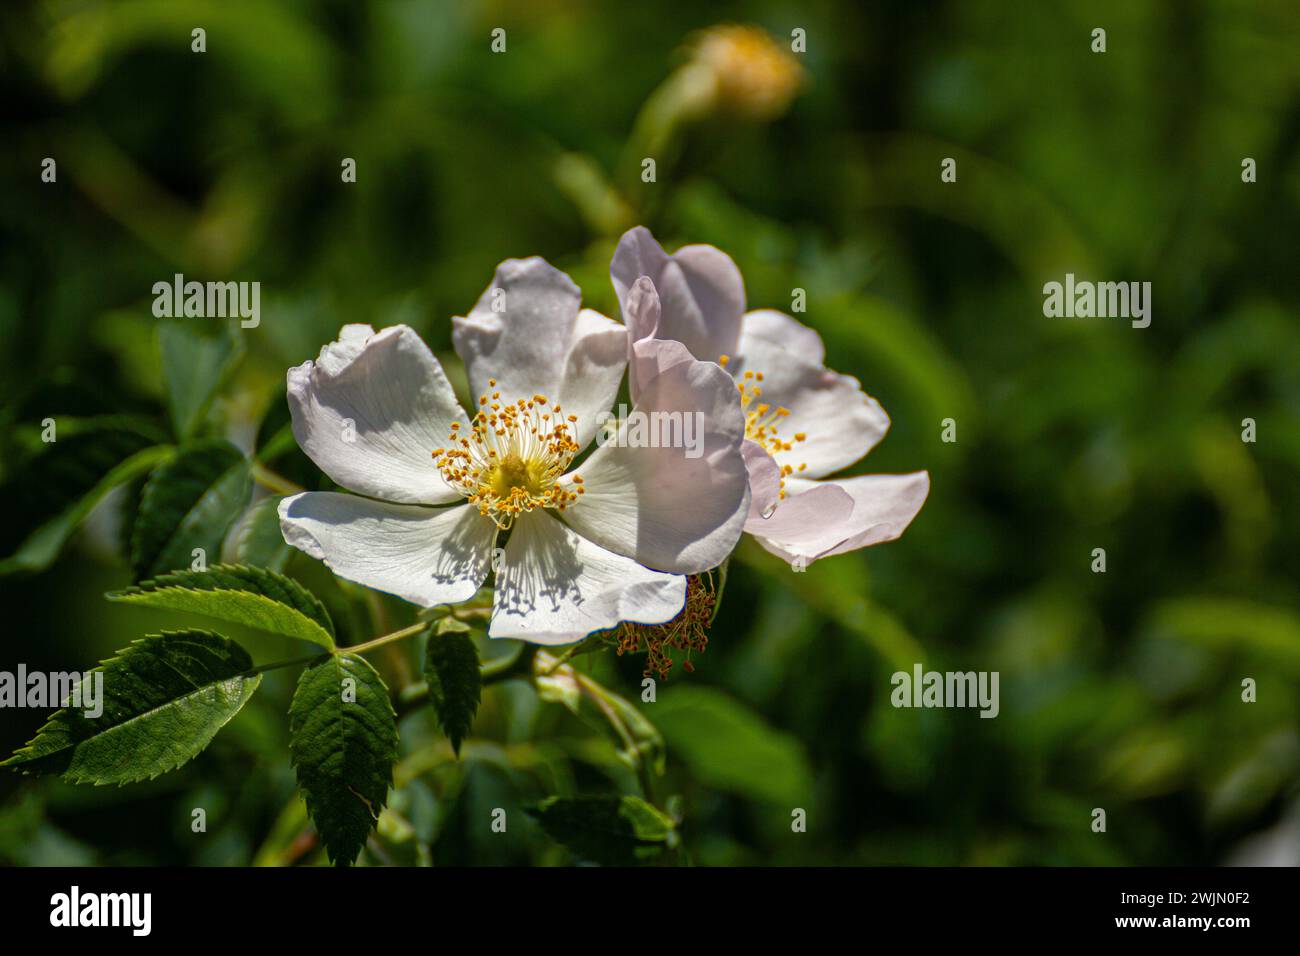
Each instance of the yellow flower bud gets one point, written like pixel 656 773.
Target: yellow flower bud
pixel 753 75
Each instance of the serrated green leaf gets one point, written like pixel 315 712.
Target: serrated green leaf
pixel 451 668
pixel 261 542
pixel 189 502
pixel 343 742
pixel 197 358
pixel 254 597
pixel 614 831
pixel 164 699
pixel 54 491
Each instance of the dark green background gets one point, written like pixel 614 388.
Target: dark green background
pixel 1119 691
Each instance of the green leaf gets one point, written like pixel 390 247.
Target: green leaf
pixel 164 698
pixel 343 742
pixel 254 597
pixel 189 502
pixel 55 490
pixel 197 358
pixel 451 667
pixel 260 541
pixel 613 831
pixel 729 747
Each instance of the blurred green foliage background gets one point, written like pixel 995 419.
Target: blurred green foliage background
pixel 1119 690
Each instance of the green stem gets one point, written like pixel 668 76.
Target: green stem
pixel 276 665
pixel 394 657
pixel 720 589
pixel 385 639
pixel 273 481
pixel 598 695
pixel 563 659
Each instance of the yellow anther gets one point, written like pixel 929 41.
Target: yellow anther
pixel 761 422
pixel 512 459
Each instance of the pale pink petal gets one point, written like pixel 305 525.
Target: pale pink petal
pixel 427 556
pixel 556 587
pixel 701 293
pixel 641 311
pixel 371 410
pixel 883 507
pixel 651 358
pixel 680 506
pixel 764 480
pixel 812 519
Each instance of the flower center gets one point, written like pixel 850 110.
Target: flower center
pixel 512 458
pixel 761 420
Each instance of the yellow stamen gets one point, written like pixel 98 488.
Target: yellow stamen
pixel 761 422
pixel 512 459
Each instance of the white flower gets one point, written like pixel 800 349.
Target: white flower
pixel 802 420
pixel 588 547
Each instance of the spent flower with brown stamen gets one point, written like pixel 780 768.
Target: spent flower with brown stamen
pixel 687 632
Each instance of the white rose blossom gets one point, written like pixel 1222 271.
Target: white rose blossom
pixel 803 421
pixel 433 488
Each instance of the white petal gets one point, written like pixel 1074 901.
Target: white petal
pixel 700 289
pixel 542 343
pixel 787 332
pixel 371 410
pixel 883 507
pixel 351 342
pixel 427 556
pixel 840 422
pixel 593 372
pixel 555 587
pixel 681 506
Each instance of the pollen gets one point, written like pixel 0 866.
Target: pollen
pixel 762 422
pixel 512 457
